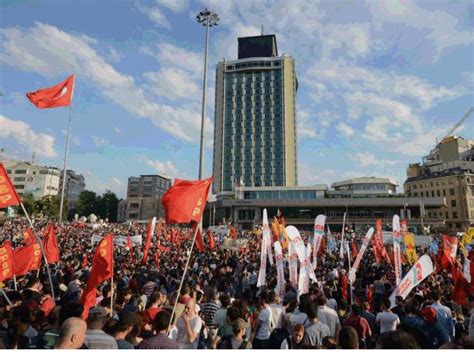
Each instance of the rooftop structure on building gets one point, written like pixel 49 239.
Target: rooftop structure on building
pixel 255 118
pixel 363 186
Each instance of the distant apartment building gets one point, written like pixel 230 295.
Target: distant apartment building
pixel 448 171
pixel 36 180
pixel 75 184
pixel 143 198
pixel 255 118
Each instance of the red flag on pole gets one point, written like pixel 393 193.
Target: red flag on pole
pixel 450 246
pixel 27 258
pixel 55 96
pixel 50 245
pixel 148 242
pixel 85 261
pixel 28 237
pixel 184 202
pixel 8 195
pixel 6 261
pixel 199 240
pixel 102 269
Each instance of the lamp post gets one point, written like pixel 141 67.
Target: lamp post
pixel 208 19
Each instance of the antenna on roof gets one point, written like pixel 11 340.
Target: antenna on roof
pixel 261 32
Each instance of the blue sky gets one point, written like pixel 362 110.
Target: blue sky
pixel 379 82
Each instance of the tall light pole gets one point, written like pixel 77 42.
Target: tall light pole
pixel 206 18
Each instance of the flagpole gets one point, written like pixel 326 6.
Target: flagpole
pixel 66 153
pixel 14 282
pixel 6 297
pixel 349 261
pixel 184 274
pixel 42 250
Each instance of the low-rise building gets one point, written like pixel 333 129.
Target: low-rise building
pixel 75 184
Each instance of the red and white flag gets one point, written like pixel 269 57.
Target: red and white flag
pixel 265 247
pixel 317 237
pixel 280 288
pixel 293 263
pixel 56 96
pixel 450 248
pixel 365 243
pixel 396 248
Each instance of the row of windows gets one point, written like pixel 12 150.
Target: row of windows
pixel 266 63
pixel 432 184
pixel 280 195
pixel 440 215
pixel 452 192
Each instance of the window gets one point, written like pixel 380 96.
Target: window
pixel 432 193
pixel 451 192
pixel 439 194
pixel 20 178
pixel 447 215
pixel 455 215
pixel 20 171
pixel 19 186
pixel 134 205
pixel 453 203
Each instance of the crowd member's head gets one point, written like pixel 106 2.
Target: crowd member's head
pixel 321 300
pixel 190 307
pixel 298 333
pixel 356 310
pixel 70 310
pixel 232 314
pixel 312 311
pixel 225 300
pixel 366 306
pixel 71 334
pixel 124 326
pixel 348 338
pixel 238 328
pixel 161 322
pixel 96 319
pixel 386 304
pixel 397 339
pixel 428 314
pixel 329 343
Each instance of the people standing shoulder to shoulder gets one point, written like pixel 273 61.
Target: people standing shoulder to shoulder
pixel 160 340
pixel 328 316
pixel 124 326
pixel 263 325
pixel 71 334
pixel 96 338
pixel 387 320
pixel 316 331
pixel 189 326
pixel 443 314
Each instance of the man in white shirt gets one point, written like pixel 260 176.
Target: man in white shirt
pixel 263 326
pixel 328 316
pixel 277 310
pixel 387 320
pixel 189 326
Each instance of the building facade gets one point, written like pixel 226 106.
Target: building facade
pixel 448 171
pixel 255 120
pixel 75 184
pixel 36 180
pixel 144 195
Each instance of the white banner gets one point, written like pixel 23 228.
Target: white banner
pixel 266 243
pixel 365 243
pixel 467 269
pixel 303 283
pixel 294 235
pixel 293 264
pixel 280 288
pixel 396 248
pixel 267 236
pixel 234 244
pixel 153 226
pixel 341 250
pixel 419 272
pixel 318 236
pixel 119 239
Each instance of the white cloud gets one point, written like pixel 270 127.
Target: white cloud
pixel 365 159
pixel 99 141
pixel 156 15
pixel 116 180
pixel 21 132
pixel 46 50
pixel 117 130
pixel 174 84
pixel 308 175
pixel 174 5
pixel 163 168
pixel 345 130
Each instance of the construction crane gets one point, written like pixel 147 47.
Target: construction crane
pixel 458 124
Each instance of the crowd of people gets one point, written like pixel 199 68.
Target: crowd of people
pixel 219 305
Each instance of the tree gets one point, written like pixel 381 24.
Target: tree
pixel 48 206
pixel 87 203
pixel 107 205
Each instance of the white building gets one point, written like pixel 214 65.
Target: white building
pixel 33 179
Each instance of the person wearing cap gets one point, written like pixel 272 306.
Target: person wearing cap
pixel 123 327
pixel 96 338
pixel 436 334
pixel 236 341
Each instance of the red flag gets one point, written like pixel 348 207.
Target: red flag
pixel 50 245
pixel 353 250
pixel 173 235
pixel 102 269
pixel 26 259
pixel 462 288
pixel 130 248
pixel 28 237
pixel 184 202
pixel 147 243
pixel 6 261
pixel 448 256
pixel 343 284
pixel 212 243
pixel 55 96
pixel 85 261
pixel 8 195
pixel 199 241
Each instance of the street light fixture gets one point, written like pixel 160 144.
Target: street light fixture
pixel 208 19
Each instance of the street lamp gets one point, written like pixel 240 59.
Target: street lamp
pixel 206 18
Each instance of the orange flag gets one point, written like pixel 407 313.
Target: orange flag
pixel 8 195
pixel 184 202
pixel 6 261
pixel 50 245
pixel 102 269
pixel 55 96
pixel 27 258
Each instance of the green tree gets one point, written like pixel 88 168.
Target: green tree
pixel 107 205
pixel 49 206
pixel 87 203
pixel 29 203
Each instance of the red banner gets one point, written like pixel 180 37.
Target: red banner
pixel 50 245
pixel 6 261
pixel 8 195
pixel 27 258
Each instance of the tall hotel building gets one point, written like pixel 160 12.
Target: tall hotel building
pixel 255 120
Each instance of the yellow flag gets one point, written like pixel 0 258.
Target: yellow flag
pixel 410 248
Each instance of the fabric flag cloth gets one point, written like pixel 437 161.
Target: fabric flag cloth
pixel 149 235
pixel 28 237
pixel 8 195
pixel 185 201
pixel 318 236
pixel 293 264
pixel 55 96
pixel 341 249
pixel 199 241
pixel 303 282
pixel 266 248
pixel 365 243
pixel 343 285
pixel 266 233
pixel 50 245
pixel 331 245
pixel 85 261
pixel 450 248
pixel 280 288
pixel 420 271
pixel 396 249
pixel 130 249
pixel 353 249
pixel 26 258
pixel 410 248
pixel 212 243
pixel 102 269
pixel 6 261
